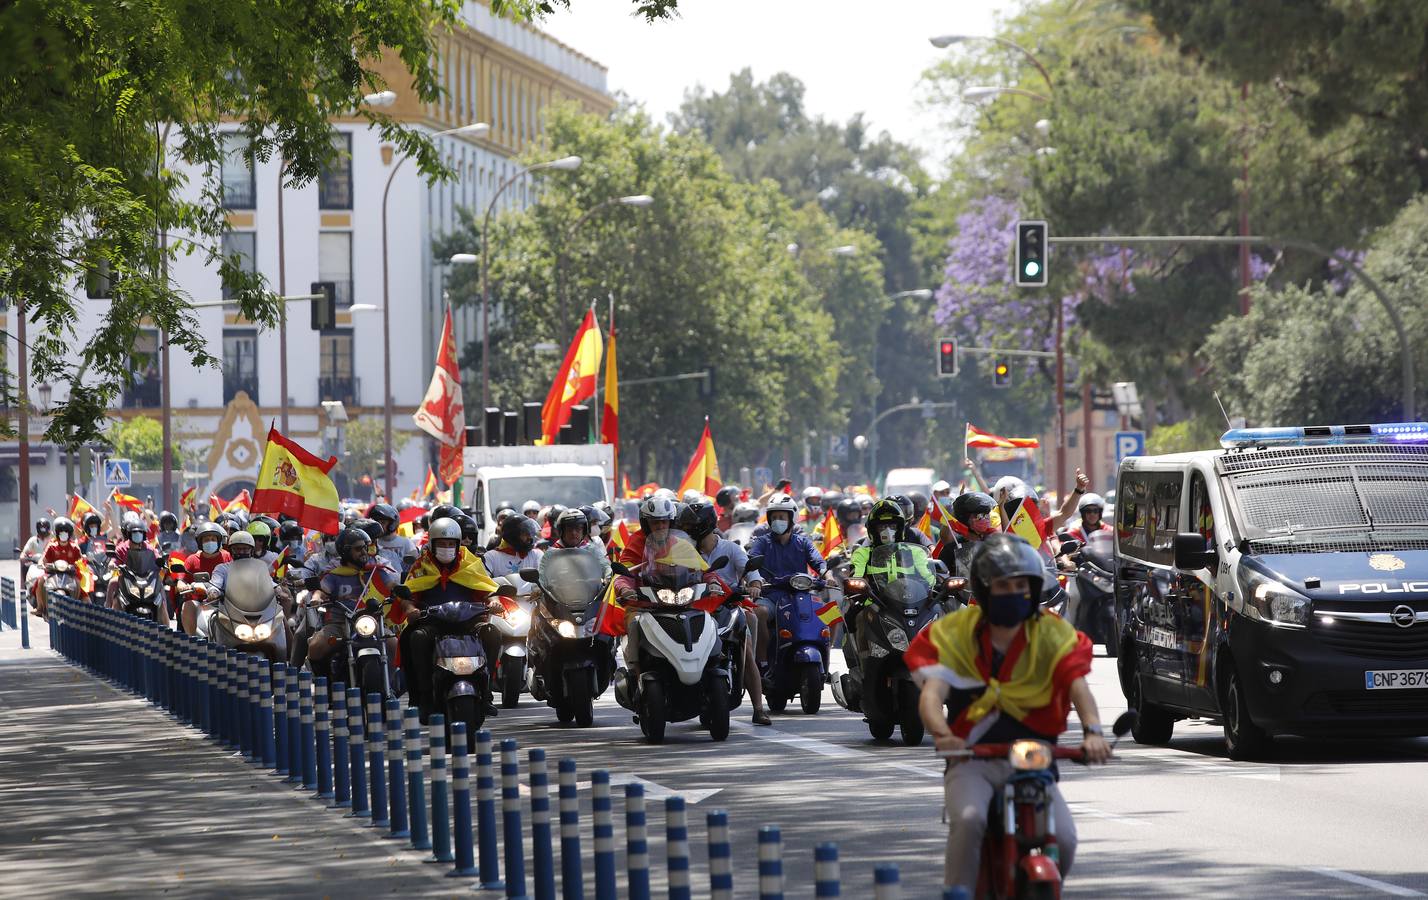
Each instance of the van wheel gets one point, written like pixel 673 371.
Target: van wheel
pixel 1244 740
pixel 1155 724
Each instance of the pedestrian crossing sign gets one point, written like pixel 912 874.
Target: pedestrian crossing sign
pixel 118 473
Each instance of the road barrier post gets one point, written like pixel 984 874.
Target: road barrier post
pixel 827 881
pixel 637 848
pixel 511 820
pixel 542 852
pixel 571 877
pixel 323 721
pixel 376 761
pixel 886 885
pixel 461 803
pixel 604 811
pixel 265 716
pixel 440 792
pixel 244 715
pixel 416 781
pixel 486 813
pixel 770 863
pixel 356 752
pixel 721 857
pixel 309 732
pixel 341 757
pixel 294 712
pixel 956 893
pixel 280 717
pixel 234 738
pixel 676 843
pixel 396 772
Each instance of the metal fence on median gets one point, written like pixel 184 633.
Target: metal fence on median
pixel 374 760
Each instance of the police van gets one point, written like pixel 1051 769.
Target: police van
pixel 1278 584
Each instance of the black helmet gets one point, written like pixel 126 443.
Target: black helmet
pixel 90 518
pixel 553 513
pixel 520 532
pixel 698 520
pixel 470 534
pixel 1005 555
pixel 746 512
pixel 349 542
pixel 290 531
pixel 64 525
pixel 919 504
pixel 831 499
pixel 443 511
pixel 373 529
pixel 597 517
pixel 726 498
pixel 886 512
pixel 168 521
pixel 42 526
pixel 850 511
pixel 386 515
pixel 904 503
pixel 972 504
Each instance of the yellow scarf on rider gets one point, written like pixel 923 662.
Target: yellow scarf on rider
pixel 1055 654
pixel 469 572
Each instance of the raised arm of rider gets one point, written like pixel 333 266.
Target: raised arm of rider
pixel 932 707
pixel 1068 504
pixel 1094 745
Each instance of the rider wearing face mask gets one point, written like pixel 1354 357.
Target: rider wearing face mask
pixel 444 572
pixel 360 575
pixel 215 561
pixel 971 524
pixel 785 552
pixel 1003 670
pixel 887 525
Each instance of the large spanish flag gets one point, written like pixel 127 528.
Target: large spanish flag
pixel 293 482
pixel 610 416
pixel 78 506
pixel 575 382
pixel 976 437
pixel 703 471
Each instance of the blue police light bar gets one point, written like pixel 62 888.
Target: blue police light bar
pixel 1325 435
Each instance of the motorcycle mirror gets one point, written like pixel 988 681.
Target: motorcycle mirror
pixel 719 563
pixel 506 590
pixel 1069 546
pixel 312 582
pixel 755 563
pixel 530 575
pixel 619 568
pixel 940 568
pixel 1125 722
pixel 199 576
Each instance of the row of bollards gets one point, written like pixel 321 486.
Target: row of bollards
pixel 372 757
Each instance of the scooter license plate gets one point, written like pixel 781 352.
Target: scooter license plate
pixel 1396 679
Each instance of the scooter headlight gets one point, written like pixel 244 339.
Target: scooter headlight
pixel 366 625
pixel 664 595
pixel 565 629
pixel 800 582
pixel 685 595
pixel 460 665
pixel 518 617
pixel 263 631
pixel 1029 756
pixel 243 631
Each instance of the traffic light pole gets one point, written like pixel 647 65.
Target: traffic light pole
pixel 1409 385
pixel 902 407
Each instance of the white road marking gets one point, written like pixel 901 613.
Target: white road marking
pixel 1081 809
pixel 658 791
pixel 812 745
pixel 1381 886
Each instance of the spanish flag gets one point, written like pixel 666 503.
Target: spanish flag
pixel 1027 523
pixel 78 507
pixel 186 498
pixel 976 437
pixel 244 501
pixel 833 537
pixel 703 471
pixel 216 505
pixel 293 482
pixel 428 488
pixel 829 613
pixel 575 382
pixel 610 417
pixel 126 501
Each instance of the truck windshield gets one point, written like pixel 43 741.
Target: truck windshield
pixel 567 490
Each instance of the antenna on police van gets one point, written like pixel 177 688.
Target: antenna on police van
pixel 1228 423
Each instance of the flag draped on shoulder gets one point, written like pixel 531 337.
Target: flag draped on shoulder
pixel 469 572
pixel 976 437
pixel 703 472
pixel 442 413
pixel 575 382
pixel 294 482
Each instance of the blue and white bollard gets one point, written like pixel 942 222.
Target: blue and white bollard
pixel 486 812
pixel 356 752
pixel 280 717
pixel 721 857
pixel 256 666
pixel 956 893
pixel 461 803
pixel 571 876
pixel 542 853
pixel 827 880
pixel 234 738
pixel 307 721
pixel 514 838
pixel 604 811
pixel 376 761
pixel 416 780
pixel 323 729
pixel 396 772
pixel 294 712
pixel 341 757
pixel 244 719
pixel 637 847
pixel 885 882
pixel 676 842
pixel 440 792
pixel 770 863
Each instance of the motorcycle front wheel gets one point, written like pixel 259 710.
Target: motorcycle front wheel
pixel 652 717
pixel 717 712
pixel 910 721
pixel 511 691
pixel 811 693
pixel 468 709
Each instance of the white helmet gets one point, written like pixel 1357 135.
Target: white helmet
pixel 691 496
pixel 444 529
pixel 657 509
pixel 664 494
pixel 941 486
pixel 1090 500
pixel 530 506
pixel 242 538
pixel 782 503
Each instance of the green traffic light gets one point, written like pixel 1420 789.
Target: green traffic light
pixel 1032 268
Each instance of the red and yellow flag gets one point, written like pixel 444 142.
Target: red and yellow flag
pixel 610 416
pixel 976 437
pixel 833 536
pixel 293 482
pixel 186 498
pixel 241 503
pixel 428 488
pixel 1028 524
pixel 830 614
pixel 130 503
pixel 78 506
pixel 703 472
pixel 575 382
pixel 216 505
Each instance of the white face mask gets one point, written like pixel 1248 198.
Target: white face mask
pixel 93 530
pixel 136 537
pixel 445 554
pixel 888 534
pixel 210 546
pixel 778 526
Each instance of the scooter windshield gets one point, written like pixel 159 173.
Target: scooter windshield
pixel 1100 548
pixel 895 575
pixel 674 563
pixel 141 563
pixel 571 576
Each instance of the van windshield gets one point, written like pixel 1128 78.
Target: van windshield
pixel 567 490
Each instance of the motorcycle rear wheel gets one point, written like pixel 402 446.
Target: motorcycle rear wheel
pixel 810 695
pixel 881 730
pixel 652 721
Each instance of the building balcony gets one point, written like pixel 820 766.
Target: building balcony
pixel 232 384
pixel 143 394
pixel 346 389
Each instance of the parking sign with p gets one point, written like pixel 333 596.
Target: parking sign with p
pixel 1129 443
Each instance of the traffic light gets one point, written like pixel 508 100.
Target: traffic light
pixel 946 357
pixel 1001 372
pixel 1031 254
pixel 324 308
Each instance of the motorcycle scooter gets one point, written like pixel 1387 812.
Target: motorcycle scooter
pixel 248 617
pixel 571 663
pixel 460 678
pixel 799 644
pixel 1096 591
pixel 1019 851
pixel 514 627
pixel 139 591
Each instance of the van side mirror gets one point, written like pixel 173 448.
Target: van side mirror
pixel 1191 552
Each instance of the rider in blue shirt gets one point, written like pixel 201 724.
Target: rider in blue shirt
pixel 785 552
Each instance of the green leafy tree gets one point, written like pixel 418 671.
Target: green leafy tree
pixel 531 10
pixel 110 120
pixel 366 449
pixel 140 440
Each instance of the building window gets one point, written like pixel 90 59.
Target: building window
pixel 243 244
pixel 334 186
pixel 145 377
pixel 240 364
pixel 334 263
pixel 335 380
pixel 239 189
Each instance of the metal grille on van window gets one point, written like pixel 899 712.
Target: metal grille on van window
pixel 1232 462
pixel 1352 543
pixel 1395 495
pixel 1291 500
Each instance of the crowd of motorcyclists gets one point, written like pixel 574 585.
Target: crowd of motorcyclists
pixel 682 603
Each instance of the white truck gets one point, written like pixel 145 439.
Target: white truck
pixel 568 474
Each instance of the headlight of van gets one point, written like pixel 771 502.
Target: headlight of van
pixel 1269 601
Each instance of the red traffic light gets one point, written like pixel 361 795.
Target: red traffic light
pixel 948 346
pixel 946 357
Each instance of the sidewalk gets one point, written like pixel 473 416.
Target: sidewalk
pixel 103 795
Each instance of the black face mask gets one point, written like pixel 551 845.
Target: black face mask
pixel 1007 610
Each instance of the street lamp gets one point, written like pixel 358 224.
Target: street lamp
pixel 944 41
pixel 635 201
pixel 475 129
pixel 564 164
pixel 915 294
pixel 982 93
